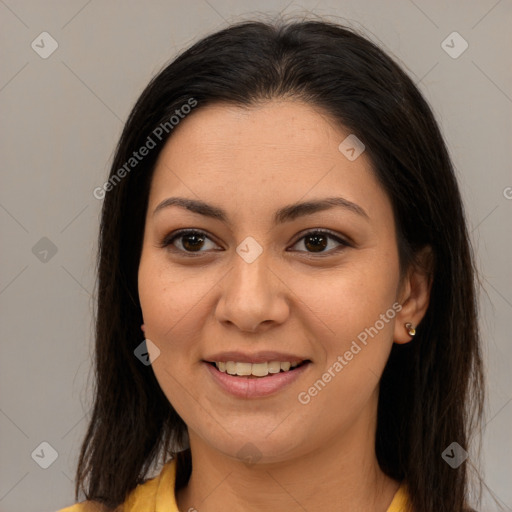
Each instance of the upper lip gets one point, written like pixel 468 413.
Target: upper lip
pixel 257 357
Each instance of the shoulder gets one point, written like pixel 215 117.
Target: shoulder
pixel 400 501
pixel 89 506
pixel 146 496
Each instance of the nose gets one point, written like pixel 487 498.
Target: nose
pixel 253 297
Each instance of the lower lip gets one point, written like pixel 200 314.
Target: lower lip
pixel 243 387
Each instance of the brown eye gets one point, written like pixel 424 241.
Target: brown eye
pixel 190 241
pixel 318 241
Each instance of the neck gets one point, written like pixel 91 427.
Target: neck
pixel 342 475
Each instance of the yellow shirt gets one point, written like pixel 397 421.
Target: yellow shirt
pixel 157 495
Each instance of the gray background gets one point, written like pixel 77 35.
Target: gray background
pixel 61 119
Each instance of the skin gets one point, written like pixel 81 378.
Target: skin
pixel 251 162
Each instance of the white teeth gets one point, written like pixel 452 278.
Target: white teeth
pixel 256 369
pixel 243 368
pixel 274 367
pixel 259 369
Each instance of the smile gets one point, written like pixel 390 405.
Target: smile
pixel 250 385
pixel 255 369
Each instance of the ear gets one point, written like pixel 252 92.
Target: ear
pixel 414 294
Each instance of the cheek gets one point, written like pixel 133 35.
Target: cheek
pixel 153 296
pixel 173 303
pixel 166 297
pixel 355 353
pixel 351 297
pixel 357 309
pixel 166 302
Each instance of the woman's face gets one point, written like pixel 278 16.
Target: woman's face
pixel 255 282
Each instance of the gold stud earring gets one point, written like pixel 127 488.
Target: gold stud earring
pixel 410 329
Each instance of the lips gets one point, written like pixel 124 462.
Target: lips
pixel 251 387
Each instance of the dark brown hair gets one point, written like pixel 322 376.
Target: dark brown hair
pixel 431 392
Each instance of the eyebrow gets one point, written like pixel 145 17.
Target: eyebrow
pixel 285 214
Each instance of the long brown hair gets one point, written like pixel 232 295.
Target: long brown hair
pixel 431 391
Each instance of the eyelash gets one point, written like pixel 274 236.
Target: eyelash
pixel 169 239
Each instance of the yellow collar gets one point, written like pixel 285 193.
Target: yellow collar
pixel 158 494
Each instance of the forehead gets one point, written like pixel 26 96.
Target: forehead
pixel 284 128
pixel 261 156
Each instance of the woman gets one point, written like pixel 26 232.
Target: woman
pixel 283 221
